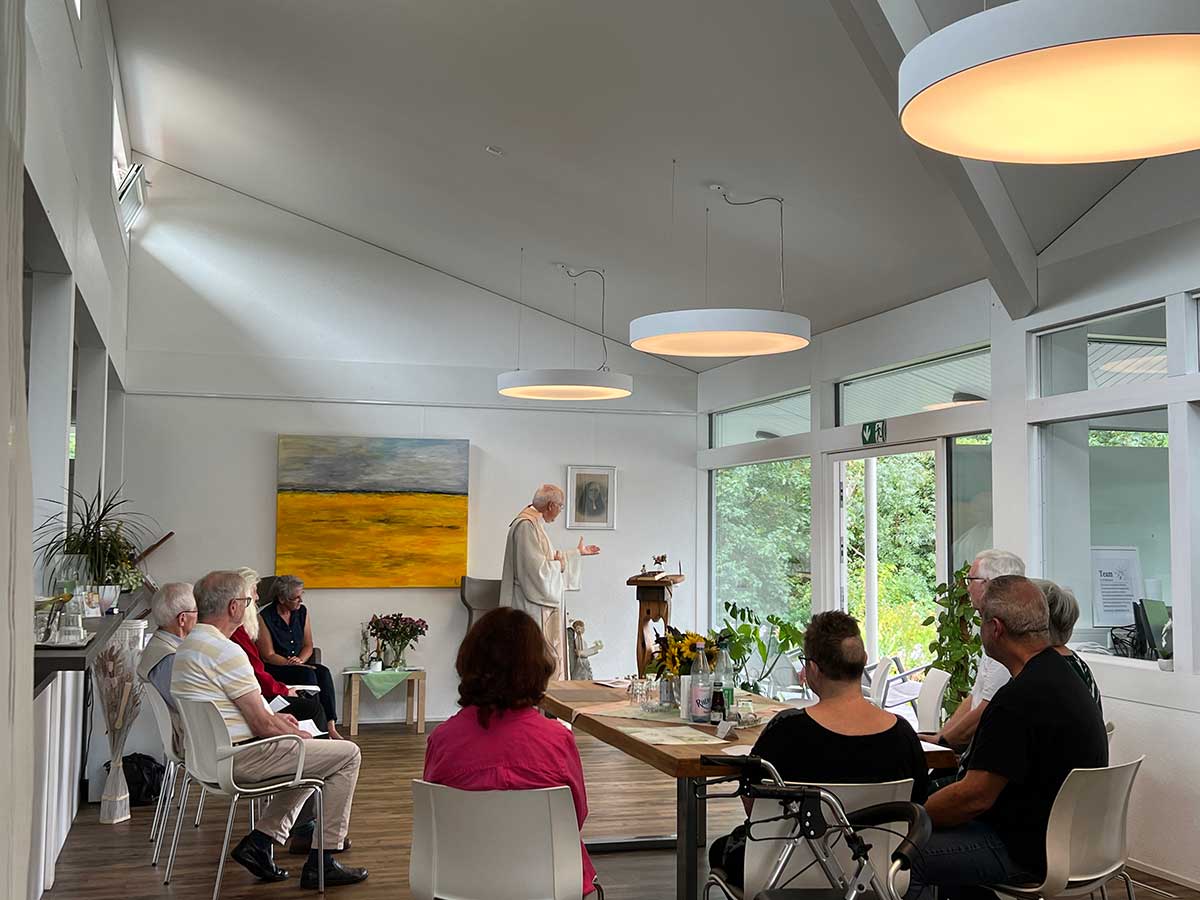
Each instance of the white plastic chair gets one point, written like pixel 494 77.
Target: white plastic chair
pixel 174 764
pixel 762 854
pixel 929 701
pixel 208 760
pixel 881 678
pixel 495 845
pixel 1086 835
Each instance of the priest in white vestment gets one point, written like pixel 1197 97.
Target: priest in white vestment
pixel 535 575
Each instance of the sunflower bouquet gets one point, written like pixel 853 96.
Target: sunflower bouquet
pixel 676 650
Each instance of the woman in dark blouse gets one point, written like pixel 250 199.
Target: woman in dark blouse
pixel 843 739
pixel 285 644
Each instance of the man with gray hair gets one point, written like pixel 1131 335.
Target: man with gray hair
pixel 535 575
pixel 209 667
pixel 174 611
pixel 990 676
pixel 990 826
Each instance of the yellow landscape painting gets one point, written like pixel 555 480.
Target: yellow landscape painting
pixel 357 512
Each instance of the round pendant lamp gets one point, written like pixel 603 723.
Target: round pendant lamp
pixel 724 332
pixel 1057 82
pixel 564 384
pixel 567 384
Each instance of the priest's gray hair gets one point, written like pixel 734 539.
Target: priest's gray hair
pixel 170 600
pixel 547 494
pixel 994 563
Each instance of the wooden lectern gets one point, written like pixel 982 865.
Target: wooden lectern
pixel 654 605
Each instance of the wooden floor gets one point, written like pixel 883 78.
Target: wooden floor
pixel 111 862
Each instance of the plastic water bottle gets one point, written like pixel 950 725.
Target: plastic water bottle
pixel 702 683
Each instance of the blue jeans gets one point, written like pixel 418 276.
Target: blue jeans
pixel 966 856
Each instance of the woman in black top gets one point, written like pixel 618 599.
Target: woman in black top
pixel 285 644
pixel 843 739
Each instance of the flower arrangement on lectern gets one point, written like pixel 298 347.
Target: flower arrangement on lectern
pixel 395 633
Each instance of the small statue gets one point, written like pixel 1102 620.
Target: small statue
pixel 365 654
pixel 579 651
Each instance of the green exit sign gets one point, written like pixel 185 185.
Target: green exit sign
pixel 874 432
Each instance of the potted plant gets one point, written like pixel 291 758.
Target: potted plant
pixel 957 647
pixel 94 543
pixel 396 632
pixel 755 647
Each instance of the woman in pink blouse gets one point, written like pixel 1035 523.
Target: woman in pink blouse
pixel 499 741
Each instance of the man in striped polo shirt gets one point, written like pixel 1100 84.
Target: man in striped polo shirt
pixel 210 666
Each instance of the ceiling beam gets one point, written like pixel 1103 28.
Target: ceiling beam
pixel 882 31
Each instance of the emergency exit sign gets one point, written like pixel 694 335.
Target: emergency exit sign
pixel 874 432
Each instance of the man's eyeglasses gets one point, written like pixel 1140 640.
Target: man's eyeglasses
pixel 976 578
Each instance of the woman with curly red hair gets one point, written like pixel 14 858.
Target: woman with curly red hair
pixel 499 741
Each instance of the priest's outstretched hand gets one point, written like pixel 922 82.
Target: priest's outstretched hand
pixel 587 549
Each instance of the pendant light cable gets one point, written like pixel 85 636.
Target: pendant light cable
pixel 603 367
pixel 778 200
pixel 706 212
pixel 520 306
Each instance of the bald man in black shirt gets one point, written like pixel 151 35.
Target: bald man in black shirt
pixel 990 827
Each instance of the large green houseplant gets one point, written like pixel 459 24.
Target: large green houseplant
pixel 93 541
pixel 957 647
pixel 756 648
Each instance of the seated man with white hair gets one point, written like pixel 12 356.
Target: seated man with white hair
pixel 210 667
pixel 174 610
pixel 990 675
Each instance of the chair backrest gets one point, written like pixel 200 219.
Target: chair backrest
pixel 1076 849
pixel 879 680
pixel 761 855
pixel 929 700
pixel 494 845
pixel 162 718
pixel 207 745
pixel 478 595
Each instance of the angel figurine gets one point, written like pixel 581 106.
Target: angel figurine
pixel 579 650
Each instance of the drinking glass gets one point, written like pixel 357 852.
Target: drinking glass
pixel 70 628
pixel 650 698
pixel 637 691
pixel 41 621
pixel 745 710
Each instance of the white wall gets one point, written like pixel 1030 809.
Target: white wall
pixel 205 468
pixel 247 322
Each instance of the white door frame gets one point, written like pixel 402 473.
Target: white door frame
pixel 834 514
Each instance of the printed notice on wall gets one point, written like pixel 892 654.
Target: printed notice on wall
pixel 1116 583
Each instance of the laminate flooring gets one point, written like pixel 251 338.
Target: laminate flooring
pixel 112 862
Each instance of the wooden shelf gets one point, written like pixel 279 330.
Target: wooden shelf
pixel 49 661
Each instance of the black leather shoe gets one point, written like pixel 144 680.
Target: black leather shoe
pixel 302 846
pixel 335 874
pixel 259 860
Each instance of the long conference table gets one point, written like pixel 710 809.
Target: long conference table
pixel 582 703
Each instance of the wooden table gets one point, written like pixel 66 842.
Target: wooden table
pixel 570 701
pixel 414 706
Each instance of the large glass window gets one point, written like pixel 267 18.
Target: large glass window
pixel 1122 349
pixel 762 527
pixel 889 529
pixel 763 421
pixel 937 384
pixel 970 497
pixel 1106 497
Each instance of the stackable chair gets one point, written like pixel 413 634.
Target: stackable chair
pixel 495 845
pixel 208 761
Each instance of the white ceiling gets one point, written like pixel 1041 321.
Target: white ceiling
pixel 372 117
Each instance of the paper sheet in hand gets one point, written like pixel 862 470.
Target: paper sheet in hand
pixel 927 747
pixel 278 703
pixel 680 735
pixel 739 750
pixel 310 726
pixel 311 688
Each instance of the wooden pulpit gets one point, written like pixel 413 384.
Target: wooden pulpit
pixel 654 605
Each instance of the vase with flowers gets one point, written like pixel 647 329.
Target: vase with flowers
pixel 394 634
pixel 671 660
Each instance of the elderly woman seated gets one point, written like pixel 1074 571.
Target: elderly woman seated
pixel 499 741
pixel 285 643
pixel 1064 613
pixel 843 739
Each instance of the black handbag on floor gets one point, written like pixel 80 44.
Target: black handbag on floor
pixel 144 775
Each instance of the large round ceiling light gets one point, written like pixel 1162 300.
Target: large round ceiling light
pixel 564 384
pixel 1058 81
pixel 720 332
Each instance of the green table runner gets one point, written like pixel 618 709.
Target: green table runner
pixel 381 683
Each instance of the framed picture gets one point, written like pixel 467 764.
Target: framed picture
pixel 592 497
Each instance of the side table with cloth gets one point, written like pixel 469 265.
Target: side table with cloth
pixel 287 639
pixel 380 684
